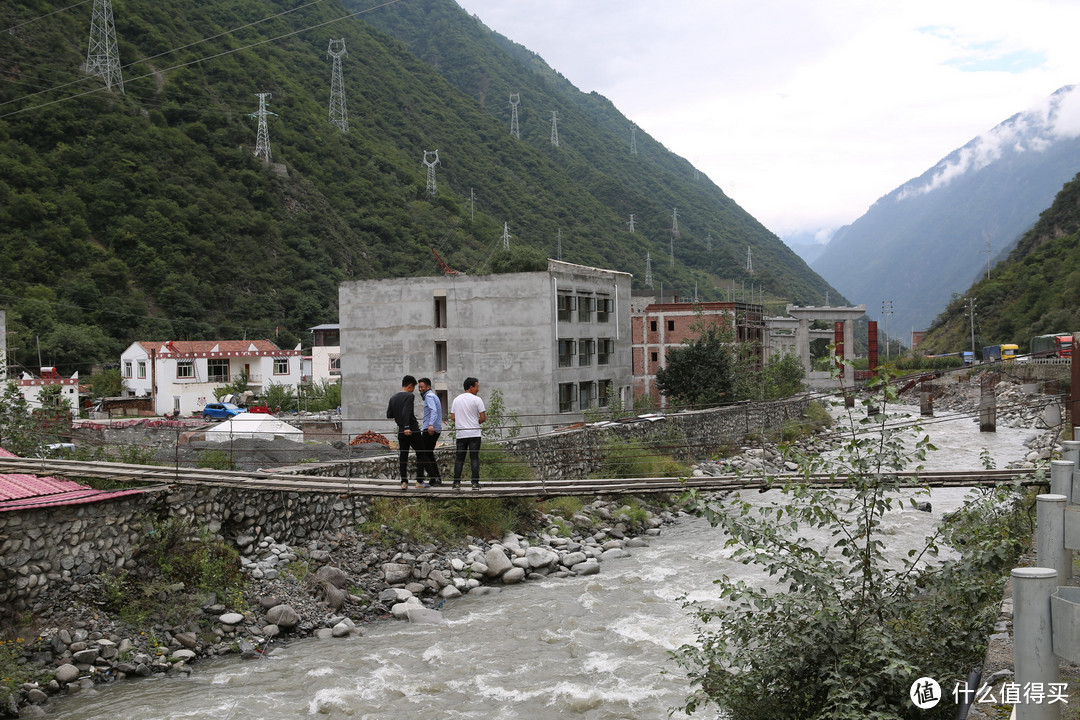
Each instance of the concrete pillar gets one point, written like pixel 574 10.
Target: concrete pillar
pixel 1061 478
pixel 926 399
pixel 987 407
pixel 1034 659
pixel 1050 535
pixel 1070 450
pixel 802 343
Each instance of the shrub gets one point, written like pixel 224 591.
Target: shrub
pixel 624 459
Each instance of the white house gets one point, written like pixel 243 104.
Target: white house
pixel 30 387
pixel 181 375
pixel 325 354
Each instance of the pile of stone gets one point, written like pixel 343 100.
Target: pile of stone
pixel 1017 405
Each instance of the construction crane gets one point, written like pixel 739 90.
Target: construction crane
pixel 446 269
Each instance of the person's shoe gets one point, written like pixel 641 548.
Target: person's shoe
pixel 404 485
pixel 435 481
pixel 421 484
pixel 475 485
pixel 456 485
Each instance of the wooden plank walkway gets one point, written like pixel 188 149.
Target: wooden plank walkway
pixel 268 481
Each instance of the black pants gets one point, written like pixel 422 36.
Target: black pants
pixel 472 447
pixel 425 456
pixel 405 442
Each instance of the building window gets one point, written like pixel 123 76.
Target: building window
pixel 440 356
pixel 127 368
pixel 586 348
pixel 603 393
pixel 567 397
pixel 142 369
pixel 281 366
pixel 567 350
pixel 185 369
pixel 671 325
pixel 605 348
pixel 652 325
pixel 653 356
pixel 604 307
pixel 586 305
pixel 440 312
pixel 566 305
pixel 586 394
pixel 335 365
pixel 217 370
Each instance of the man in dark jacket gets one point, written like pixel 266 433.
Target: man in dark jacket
pixel 400 409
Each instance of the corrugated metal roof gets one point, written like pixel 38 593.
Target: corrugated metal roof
pixel 19 491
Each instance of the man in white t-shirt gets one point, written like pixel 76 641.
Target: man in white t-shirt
pixel 468 411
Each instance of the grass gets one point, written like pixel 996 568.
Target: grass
pixel 625 459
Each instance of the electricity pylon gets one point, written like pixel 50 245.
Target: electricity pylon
pixel 339 114
pixel 555 128
pixel 506 237
pixel 515 100
pixel 430 164
pixel 633 139
pixel 631 223
pixel 102 55
pixel 648 269
pixel 262 137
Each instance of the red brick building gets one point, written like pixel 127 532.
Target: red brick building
pixel 658 327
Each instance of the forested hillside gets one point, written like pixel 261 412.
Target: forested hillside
pixel 1036 291
pixel 145 215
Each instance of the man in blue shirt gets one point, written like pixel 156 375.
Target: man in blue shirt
pixel 430 429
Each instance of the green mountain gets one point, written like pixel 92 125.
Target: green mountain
pixel 1035 291
pixel 145 214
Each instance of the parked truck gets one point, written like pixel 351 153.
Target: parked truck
pixel 1055 345
pixel 997 353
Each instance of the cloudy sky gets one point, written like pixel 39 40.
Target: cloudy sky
pixel 805 111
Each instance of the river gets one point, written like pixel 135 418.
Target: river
pixel 594 647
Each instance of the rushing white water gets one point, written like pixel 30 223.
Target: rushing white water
pixel 592 647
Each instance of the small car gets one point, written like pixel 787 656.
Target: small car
pixel 221 411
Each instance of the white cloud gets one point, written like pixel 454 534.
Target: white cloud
pixel 806 113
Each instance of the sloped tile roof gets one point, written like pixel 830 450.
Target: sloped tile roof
pixel 20 491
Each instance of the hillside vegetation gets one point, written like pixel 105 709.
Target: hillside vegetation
pixel 1035 291
pixel 145 215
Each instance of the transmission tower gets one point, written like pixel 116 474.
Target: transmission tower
pixel 506 237
pixel 262 137
pixel 675 222
pixel 430 164
pixel 648 269
pixel 558 245
pixel 515 100
pixel 671 250
pixel 102 55
pixel 633 139
pixel 555 128
pixel 472 205
pixel 749 262
pixel 708 241
pixel 631 223
pixel 339 115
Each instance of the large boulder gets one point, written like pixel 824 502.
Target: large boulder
pixel 497 562
pixel 283 616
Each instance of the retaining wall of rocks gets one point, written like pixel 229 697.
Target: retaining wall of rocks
pixel 68 543
pixel 577 452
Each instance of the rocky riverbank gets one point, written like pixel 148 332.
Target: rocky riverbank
pixel 323 590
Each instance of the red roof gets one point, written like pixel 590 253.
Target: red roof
pixel 19 491
pixel 222 347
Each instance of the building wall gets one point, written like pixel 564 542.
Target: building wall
pixel 502 329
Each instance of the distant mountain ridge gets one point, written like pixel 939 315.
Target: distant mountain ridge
pixel 927 239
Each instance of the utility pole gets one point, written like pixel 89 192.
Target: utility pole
pixel 971 315
pixel 262 137
pixel 102 54
pixel 339 114
pixel 515 100
pixel 886 308
pixel 430 164
pixel 555 128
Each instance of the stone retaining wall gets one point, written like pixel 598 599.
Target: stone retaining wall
pixel 577 452
pixel 64 544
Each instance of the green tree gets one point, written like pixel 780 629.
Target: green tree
pixel 107 383
pixel 703 371
pixel 20 430
pixel 842 631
